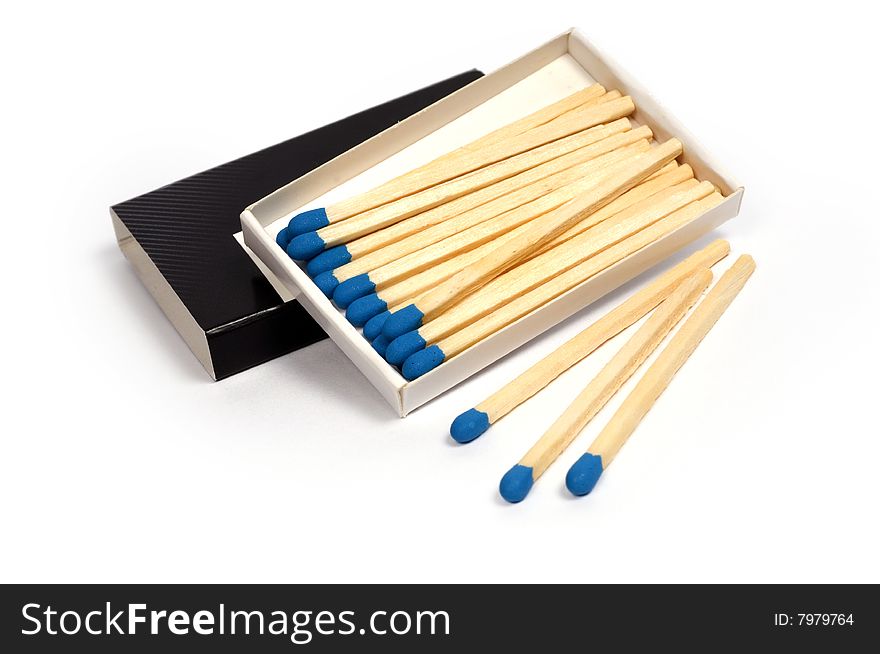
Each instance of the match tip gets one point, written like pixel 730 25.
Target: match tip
pixel 402 347
pixel 362 311
pixel 469 425
pixel 380 344
pixel 305 246
pixel 584 474
pixel 326 281
pixel 516 483
pixel 352 289
pixel 328 260
pixel 308 221
pixel 373 327
pixel 423 361
pixel 402 321
pixel 283 238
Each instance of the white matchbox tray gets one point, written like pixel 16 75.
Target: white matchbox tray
pixel 544 75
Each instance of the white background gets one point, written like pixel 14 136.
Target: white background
pixel 122 462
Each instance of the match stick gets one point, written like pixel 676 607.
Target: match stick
pixel 397 187
pixel 431 357
pixel 466 161
pixel 518 481
pixel 309 245
pixel 338 256
pixel 473 229
pixel 475 421
pixel 372 250
pixel 529 238
pixel 584 474
pixel 371 310
pixel 552 263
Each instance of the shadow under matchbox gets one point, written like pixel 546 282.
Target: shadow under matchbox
pixel 181 240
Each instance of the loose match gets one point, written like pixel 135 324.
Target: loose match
pixel 583 475
pixel 516 484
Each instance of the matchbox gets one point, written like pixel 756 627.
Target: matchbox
pixel 179 238
pixel 547 74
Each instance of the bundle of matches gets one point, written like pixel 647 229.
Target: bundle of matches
pixel 436 260
pixel 668 299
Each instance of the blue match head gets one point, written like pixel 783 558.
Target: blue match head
pixel 362 311
pixel 327 282
pixel 283 238
pixel 421 362
pixel 400 322
pixel 352 289
pixel 305 246
pixel 373 327
pixel 328 260
pixel 469 425
pixel 307 221
pixel 380 344
pixel 516 483
pixel 402 347
pixel 584 474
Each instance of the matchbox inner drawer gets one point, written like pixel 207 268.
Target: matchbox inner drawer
pixel 544 75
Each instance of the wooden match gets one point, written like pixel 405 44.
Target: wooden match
pixel 529 237
pixel 518 481
pixel 310 243
pixel 466 232
pixel 317 218
pixel 586 144
pixel 563 154
pixel 583 475
pixel 428 228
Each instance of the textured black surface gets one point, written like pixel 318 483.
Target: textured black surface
pixel 186 229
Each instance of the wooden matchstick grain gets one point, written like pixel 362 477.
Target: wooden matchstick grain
pixel 405 291
pixel 650 188
pixel 614 374
pixel 415 285
pixel 578 154
pixel 503 401
pixel 313 219
pixel 552 263
pixel 552 156
pixel 671 359
pixel 533 235
pixel 465 232
pixel 464 160
pixel 393 212
pixel 583 475
pixel 477 331
pixel 585 97
pixel 607 97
